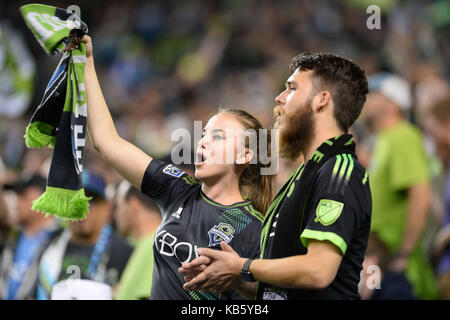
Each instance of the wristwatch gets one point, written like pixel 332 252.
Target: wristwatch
pixel 245 272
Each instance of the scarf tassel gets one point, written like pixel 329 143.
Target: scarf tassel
pixel 39 134
pixel 63 203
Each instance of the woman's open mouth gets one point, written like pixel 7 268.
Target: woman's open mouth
pixel 200 159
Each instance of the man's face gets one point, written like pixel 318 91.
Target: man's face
pixel 374 109
pixel 97 217
pixel 439 130
pixel 24 203
pixel 294 114
pixel 123 216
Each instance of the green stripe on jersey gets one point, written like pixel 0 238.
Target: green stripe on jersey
pixel 350 168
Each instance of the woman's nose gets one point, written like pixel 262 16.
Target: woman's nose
pixel 203 141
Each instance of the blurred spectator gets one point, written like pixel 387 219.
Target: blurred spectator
pixel 4 220
pixel 20 258
pixel 5 223
pixel 392 285
pixel 399 180
pixel 87 249
pixel 438 126
pixel 17 72
pixel 430 88
pixel 138 217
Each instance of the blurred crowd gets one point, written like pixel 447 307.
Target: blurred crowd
pixel 164 64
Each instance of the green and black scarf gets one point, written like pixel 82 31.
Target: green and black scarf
pixel 60 119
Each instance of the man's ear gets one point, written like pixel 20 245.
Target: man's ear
pixel 321 100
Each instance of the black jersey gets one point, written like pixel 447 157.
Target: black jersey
pixel 191 220
pixel 340 212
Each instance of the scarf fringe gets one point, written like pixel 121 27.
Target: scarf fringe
pixel 63 203
pixel 38 135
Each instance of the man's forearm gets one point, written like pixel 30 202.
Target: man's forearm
pixel 292 272
pixel 314 270
pixel 418 206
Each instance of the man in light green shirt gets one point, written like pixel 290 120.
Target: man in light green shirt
pixel 137 217
pixel 400 181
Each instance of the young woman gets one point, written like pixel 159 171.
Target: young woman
pixel 224 206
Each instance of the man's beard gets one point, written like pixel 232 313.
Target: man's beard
pixel 296 132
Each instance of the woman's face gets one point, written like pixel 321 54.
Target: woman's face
pixel 219 149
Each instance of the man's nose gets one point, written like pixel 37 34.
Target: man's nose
pixel 281 98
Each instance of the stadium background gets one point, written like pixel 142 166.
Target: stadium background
pixel 164 64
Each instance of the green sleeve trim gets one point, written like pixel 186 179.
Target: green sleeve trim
pixel 323 236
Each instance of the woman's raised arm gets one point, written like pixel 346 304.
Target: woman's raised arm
pixel 123 156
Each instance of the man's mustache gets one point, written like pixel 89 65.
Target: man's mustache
pixel 278 111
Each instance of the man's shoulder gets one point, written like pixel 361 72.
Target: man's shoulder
pixel 338 171
pixel 403 133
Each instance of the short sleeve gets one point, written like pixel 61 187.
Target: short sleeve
pixel 409 162
pixel 335 211
pixel 164 183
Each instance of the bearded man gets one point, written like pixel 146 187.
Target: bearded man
pixel 315 232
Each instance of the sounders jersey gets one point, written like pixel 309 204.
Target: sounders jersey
pixel 340 213
pixel 191 220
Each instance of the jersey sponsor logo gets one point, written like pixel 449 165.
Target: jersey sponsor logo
pixel 273 294
pixel 220 232
pixel 328 211
pixel 173 171
pixel 177 214
pixel 168 245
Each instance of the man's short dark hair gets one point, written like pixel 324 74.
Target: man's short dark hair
pixel 345 80
pixel 28 181
pixel 146 201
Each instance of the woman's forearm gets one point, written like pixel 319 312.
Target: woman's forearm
pixel 100 123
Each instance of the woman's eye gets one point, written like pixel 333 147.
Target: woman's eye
pixel 217 137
